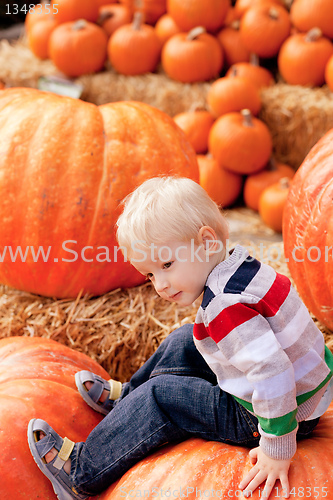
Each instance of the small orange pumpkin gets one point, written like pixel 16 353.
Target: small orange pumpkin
pixel 165 28
pixel 329 73
pixel 255 184
pixel 193 57
pixel 134 49
pixel 272 202
pixel 233 93
pixel 241 6
pixel 189 14
pixel 39 34
pixel 264 28
pixel 303 57
pixel 78 47
pixel 222 185
pixel 71 10
pixel 259 75
pixel 151 10
pixel 44 11
pixel 112 16
pixel 240 142
pixel 100 3
pixel 233 47
pixel 306 15
pixel 196 125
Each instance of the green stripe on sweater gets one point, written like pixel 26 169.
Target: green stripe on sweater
pixel 278 426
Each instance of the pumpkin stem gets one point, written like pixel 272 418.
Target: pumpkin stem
pixel 235 25
pixel 137 21
pixel 254 59
pixel 195 32
pixel 104 16
pixel 313 34
pixel 284 183
pixel 247 118
pixel 273 13
pixel 80 24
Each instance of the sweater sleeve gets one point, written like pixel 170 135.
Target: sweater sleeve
pixel 247 343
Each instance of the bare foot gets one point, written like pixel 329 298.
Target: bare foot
pixel 52 454
pixel 104 395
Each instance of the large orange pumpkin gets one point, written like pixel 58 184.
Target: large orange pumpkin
pixel 307 230
pixel 37 381
pixel 196 469
pixel 65 165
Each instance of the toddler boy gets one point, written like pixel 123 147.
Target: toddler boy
pixel 263 373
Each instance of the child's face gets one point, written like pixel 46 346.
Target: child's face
pixel 178 270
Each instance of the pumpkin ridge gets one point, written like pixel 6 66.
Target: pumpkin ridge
pixel 312 295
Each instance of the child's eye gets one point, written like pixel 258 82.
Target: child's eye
pixel 166 265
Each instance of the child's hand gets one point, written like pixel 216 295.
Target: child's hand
pixel 266 469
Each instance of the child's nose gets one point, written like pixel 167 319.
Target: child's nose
pixel 161 284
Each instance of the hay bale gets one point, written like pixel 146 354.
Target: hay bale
pixel 120 330
pixel 297 118
pixel 155 89
pixel 19 67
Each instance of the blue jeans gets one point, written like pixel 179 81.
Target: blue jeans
pixel 172 397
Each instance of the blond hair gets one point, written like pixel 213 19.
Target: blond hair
pixel 163 209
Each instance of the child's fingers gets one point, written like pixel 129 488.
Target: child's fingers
pixel 254 483
pixel 248 478
pixel 253 454
pixel 285 486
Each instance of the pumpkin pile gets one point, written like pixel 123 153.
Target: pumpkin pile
pixel 234 150
pixel 230 43
pixel 193 39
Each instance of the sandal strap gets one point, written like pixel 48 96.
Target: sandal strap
pixel 64 453
pixel 46 444
pixel 115 389
pixel 96 389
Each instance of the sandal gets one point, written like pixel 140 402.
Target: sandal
pixel 92 396
pixel 62 485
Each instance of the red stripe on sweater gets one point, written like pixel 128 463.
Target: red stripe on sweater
pixel 233 316
pixel 270 304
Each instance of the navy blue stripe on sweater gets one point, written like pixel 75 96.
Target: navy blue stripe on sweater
pixel 243 276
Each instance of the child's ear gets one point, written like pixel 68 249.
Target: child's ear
pixel 207 237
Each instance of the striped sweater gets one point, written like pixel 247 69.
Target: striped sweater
pixel 258 337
